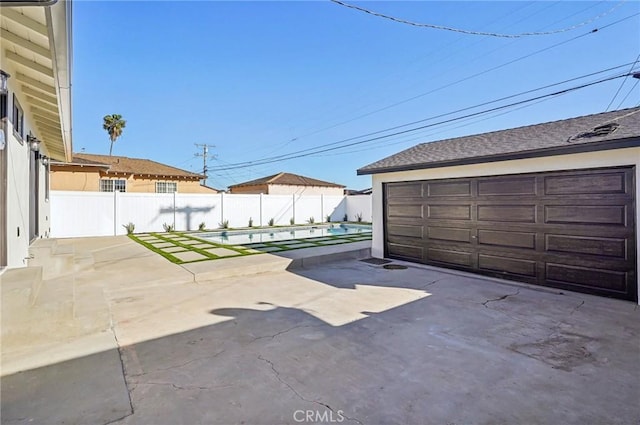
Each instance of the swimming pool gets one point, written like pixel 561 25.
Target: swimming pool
pixel 240 237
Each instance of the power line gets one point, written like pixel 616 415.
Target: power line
pixel 627 95
pixel 469 32
pixel 294 156
pixel 450 53
pixel 205 156
pixel 622 84
pixel 401 102
pixel 503 98
pixel 451 127
pixel 432 117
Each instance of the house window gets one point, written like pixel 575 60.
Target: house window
pixel 18 118
pixel 166 187
pixel 113 185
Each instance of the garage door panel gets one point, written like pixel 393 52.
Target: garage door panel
pixel 586 184
pixel 508 213
pixel 456 188
pixel 456 258
pixel 449 234
pixel 449 212
pixel 406 210
pixel 407 230
pixel 507 186
pixel 610 247
pixel 405 190
pixel 403 240
pixel 507 238
pixel 573 230
pixel 587 277
pixel 586 214
pixel 406 251
pixel 507 265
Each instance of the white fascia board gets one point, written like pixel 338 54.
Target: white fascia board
pixel 59 25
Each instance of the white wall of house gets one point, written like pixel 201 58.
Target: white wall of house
pixel 17 199
pixel 18 191
pixel 612 158
pixel 77 214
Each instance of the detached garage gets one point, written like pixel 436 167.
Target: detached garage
pixel 552 204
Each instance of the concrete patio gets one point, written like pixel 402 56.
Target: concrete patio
pixel 113 333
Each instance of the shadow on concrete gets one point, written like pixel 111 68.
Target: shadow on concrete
pixel 445 358
pixel 85 390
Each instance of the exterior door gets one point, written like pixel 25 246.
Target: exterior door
pixel 34 195
pixel 573 230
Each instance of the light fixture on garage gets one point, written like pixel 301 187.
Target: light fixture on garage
pixel 34 143
pixel 3 82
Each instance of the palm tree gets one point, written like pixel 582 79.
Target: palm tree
pixel 114 124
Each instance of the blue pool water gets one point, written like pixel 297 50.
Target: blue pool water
pixel 242 237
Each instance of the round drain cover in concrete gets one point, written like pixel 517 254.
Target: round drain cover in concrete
pixel 394 267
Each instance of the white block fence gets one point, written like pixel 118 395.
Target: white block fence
pixel 77 214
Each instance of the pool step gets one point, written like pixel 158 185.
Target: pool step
pixel 276 262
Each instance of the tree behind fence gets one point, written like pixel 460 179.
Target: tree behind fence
pixel 75 214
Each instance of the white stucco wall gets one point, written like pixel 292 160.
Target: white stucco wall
pixel 18 208
pixel 17 200
pixel 618 157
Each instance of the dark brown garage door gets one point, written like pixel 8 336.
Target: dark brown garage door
pixel 571 229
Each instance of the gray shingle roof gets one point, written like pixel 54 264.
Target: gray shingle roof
pixel 552 138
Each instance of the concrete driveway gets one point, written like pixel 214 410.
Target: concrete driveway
pixel 342 342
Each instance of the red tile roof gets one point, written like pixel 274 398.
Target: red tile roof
pixel 288 179
pixel 137 166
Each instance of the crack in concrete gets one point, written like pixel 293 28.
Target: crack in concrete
pixel 122 366
pixel 187 387
pixel 282 381
pixel 285 331
pixel 352 419
pixel 504 297
pixel 431 283
pixel 179 365
pixel 576 308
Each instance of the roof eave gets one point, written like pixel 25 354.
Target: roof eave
pixel 538 153
pixel 176 176
pixel 59 24
pixel 334 186
pixel 78 164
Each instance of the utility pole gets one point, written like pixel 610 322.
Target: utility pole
pixel 205 156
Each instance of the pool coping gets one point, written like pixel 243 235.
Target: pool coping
pixel 275 229
pixel 186 248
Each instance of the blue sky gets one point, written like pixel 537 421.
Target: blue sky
pixel 264 79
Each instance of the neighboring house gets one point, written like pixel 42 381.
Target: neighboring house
pixel 104 173
pixel 288 184
pixel 552 204
pixel 352 192
pixel 35 119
